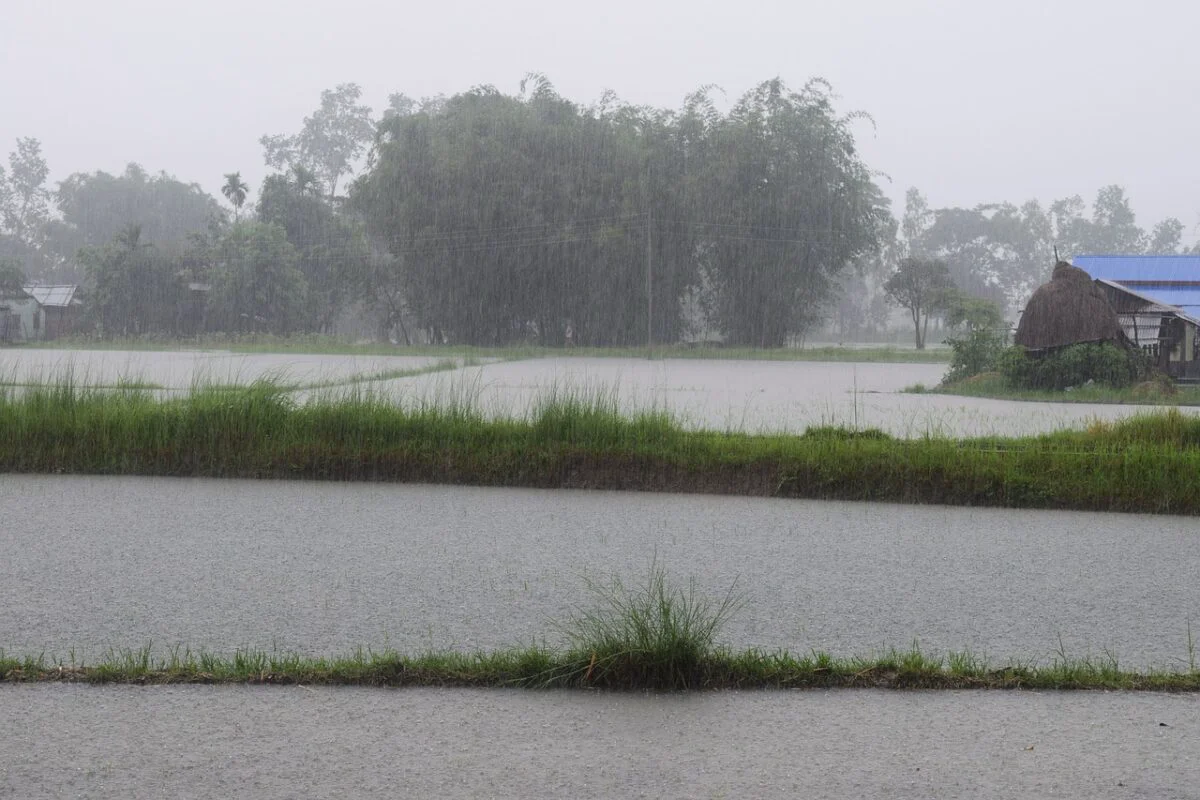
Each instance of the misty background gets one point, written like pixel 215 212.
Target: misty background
pixel 967 112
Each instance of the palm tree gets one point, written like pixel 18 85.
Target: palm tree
pixel 235 190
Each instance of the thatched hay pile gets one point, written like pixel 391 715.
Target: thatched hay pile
pixel 1069 309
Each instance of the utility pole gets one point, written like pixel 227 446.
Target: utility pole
pixel 649 283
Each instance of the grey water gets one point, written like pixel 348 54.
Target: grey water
pixel 272 742
pixel 750 396
pixel 93 563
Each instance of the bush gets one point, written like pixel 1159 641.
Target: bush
pixel 1074 365
pixel 978 352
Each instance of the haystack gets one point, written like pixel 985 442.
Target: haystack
pixel 1070 309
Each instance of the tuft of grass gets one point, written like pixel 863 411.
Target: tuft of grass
pixel 655 635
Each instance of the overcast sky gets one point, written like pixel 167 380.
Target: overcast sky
pixel 973 102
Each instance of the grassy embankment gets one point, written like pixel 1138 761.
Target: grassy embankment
pixel 329 345
pixel 656 637
pixel 992 385
pixel 582 440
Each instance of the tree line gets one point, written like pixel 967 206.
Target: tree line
pixel 490 218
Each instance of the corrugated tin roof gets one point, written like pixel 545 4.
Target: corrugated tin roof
pixel 58 296
pixel 1141 269
pixel 1182 300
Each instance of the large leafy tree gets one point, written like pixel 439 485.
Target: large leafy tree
pixel 96 206
pixel 256 283
pixel 25 208
pixel 134 286
pixel 331 140
pixel 24 200
pixel 921 286
pixel 796 206
pixel 1111 229
pixel 528 216
pixel 332 252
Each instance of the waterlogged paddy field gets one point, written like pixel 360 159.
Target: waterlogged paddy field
pixel 753 396
pixel 323 568
pixel 185 369
pixel 762 396
pixel 197 741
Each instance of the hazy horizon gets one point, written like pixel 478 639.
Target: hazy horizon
pixel 969 107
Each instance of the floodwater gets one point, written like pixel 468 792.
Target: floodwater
pixel 761 396
pixel 273 742
pixel 751 396
pixel 94 563
pixel 185 369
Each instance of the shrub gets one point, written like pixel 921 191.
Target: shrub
pixel 978 352
pixel 1074 365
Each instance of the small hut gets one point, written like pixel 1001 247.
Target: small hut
pixel 1070 309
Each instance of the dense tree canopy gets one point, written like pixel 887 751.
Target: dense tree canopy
pixel 96 206
pixel 511 217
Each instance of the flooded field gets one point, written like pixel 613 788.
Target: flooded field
pixel 753 396
pixel 762 396
pixel 323 568
pixel 199 742
pixel 185 369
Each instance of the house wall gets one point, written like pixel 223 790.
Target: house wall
pixel 25 309
pixel 57 321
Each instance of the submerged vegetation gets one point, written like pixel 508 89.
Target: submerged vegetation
pixel 650 637
pixel 582 439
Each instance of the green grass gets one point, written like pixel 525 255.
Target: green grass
pixel 582 439
pixel 263 343
pixel 993 386
pixel 652 636
pixel 535 668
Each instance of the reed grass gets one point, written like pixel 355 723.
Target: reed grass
pixel 582 439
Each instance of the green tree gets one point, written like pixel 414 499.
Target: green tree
pixel 527 216
pixel 976 313
pixel 95 207
pixel 921 286
pixel 12 277
pixel 235 190
pixel 25 201
pixel 256 284
pixel 1166 238
pixel 795 206
pixel 330 141
pixel 331 248
pixel 134 286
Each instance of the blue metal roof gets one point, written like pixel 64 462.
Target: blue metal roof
pixel 1185 297
pixel 1141 271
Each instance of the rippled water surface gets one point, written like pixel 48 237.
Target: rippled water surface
pixel 92 563
pixel 751 396
pixel 203 742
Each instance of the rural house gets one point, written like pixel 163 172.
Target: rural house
pixel 37 313
pixel 1157 300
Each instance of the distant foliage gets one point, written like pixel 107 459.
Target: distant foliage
pixel 1103 363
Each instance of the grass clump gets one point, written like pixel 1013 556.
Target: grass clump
pixel 655 635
